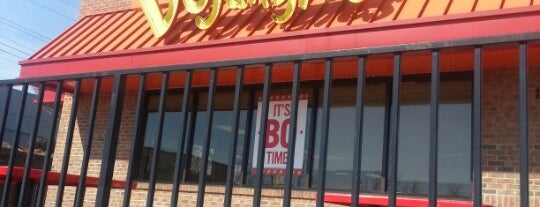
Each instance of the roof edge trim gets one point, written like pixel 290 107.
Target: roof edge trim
pixel 296 34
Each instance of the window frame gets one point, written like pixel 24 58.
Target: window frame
pixel 313 88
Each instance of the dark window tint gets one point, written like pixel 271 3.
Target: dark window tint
pixel 454 138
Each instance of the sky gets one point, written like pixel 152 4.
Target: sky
pixel 27 25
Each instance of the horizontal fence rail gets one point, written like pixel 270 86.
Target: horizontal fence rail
pixel 190 98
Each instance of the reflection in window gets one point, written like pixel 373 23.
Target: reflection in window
pixel 413 147
pixel 219 147
pixel 172 130
pixel 169 144
pixel 454 138
pixel 341 139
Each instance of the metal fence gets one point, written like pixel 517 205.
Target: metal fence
pixel 117 98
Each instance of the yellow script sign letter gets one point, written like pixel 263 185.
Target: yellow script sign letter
pixel 159 24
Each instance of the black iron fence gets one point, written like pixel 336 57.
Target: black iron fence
pixel 117 98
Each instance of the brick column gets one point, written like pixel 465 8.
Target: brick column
pixel 89 7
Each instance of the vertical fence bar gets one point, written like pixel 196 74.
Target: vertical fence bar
pixel 394 131
pixel 191 134
pixel 523 128
pixel 247 137
pixel 5 113
pixel 386 134
pixel 206 144
pixel 359 123
pixel 180 148
pixel 291 150
pixel 50 146
pixel 3 121
pixel 24 196
pixel 434 129
pixel 325 128
pixel 234 136
pixel 137 140
pixel 312 133
pixel 81 186
pixel 262 135
pixel 477 127
pixel 111 141
pixel 15 146
pixel 67 146
pixel 157 139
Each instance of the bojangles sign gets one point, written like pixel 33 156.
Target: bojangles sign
pixel 161 24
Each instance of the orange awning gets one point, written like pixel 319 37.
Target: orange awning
pixel 128 29
pixel 123 40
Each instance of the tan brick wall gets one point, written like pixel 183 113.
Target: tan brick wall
pixel 89 7
pixel 97 144
pixel 500 155
pixel 214 197
pixel 501 137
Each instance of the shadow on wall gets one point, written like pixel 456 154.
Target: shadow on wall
pixel 257 21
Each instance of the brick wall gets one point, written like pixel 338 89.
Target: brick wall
pixel 89 7
pixel 97 146
pixel 188 194
pixel 501 137
pixel 500 155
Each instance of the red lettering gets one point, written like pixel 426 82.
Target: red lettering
pixel 272 136
pixel 287 109
pixel 284 127
pixel 269 157
pixel 279 157
pixel 276 157
pixel 280 109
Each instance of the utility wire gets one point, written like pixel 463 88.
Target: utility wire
pixel 69 3
pixel 14 48
pixel 25 28
pixel 74 3
pixel 12 54
pixel 51 10
pixel 7 59
pixel 27 49
pixel 21 28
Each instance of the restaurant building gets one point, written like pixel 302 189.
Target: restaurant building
pixel 405 103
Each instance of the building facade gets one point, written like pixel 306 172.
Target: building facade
pixel 393 96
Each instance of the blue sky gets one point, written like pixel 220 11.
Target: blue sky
pixel 27 25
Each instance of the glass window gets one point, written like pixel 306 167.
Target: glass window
pixel 299 181
pixel 413 138
pixel 341 137
pixel 170 137
pixel 454 136
pixel 169 144
pixel 219 143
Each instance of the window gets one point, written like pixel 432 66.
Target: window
pixel 191 155
pixel 413 146
pixel 454 137
pixel 341 137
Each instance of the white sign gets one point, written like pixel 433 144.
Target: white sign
pixel 277 136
